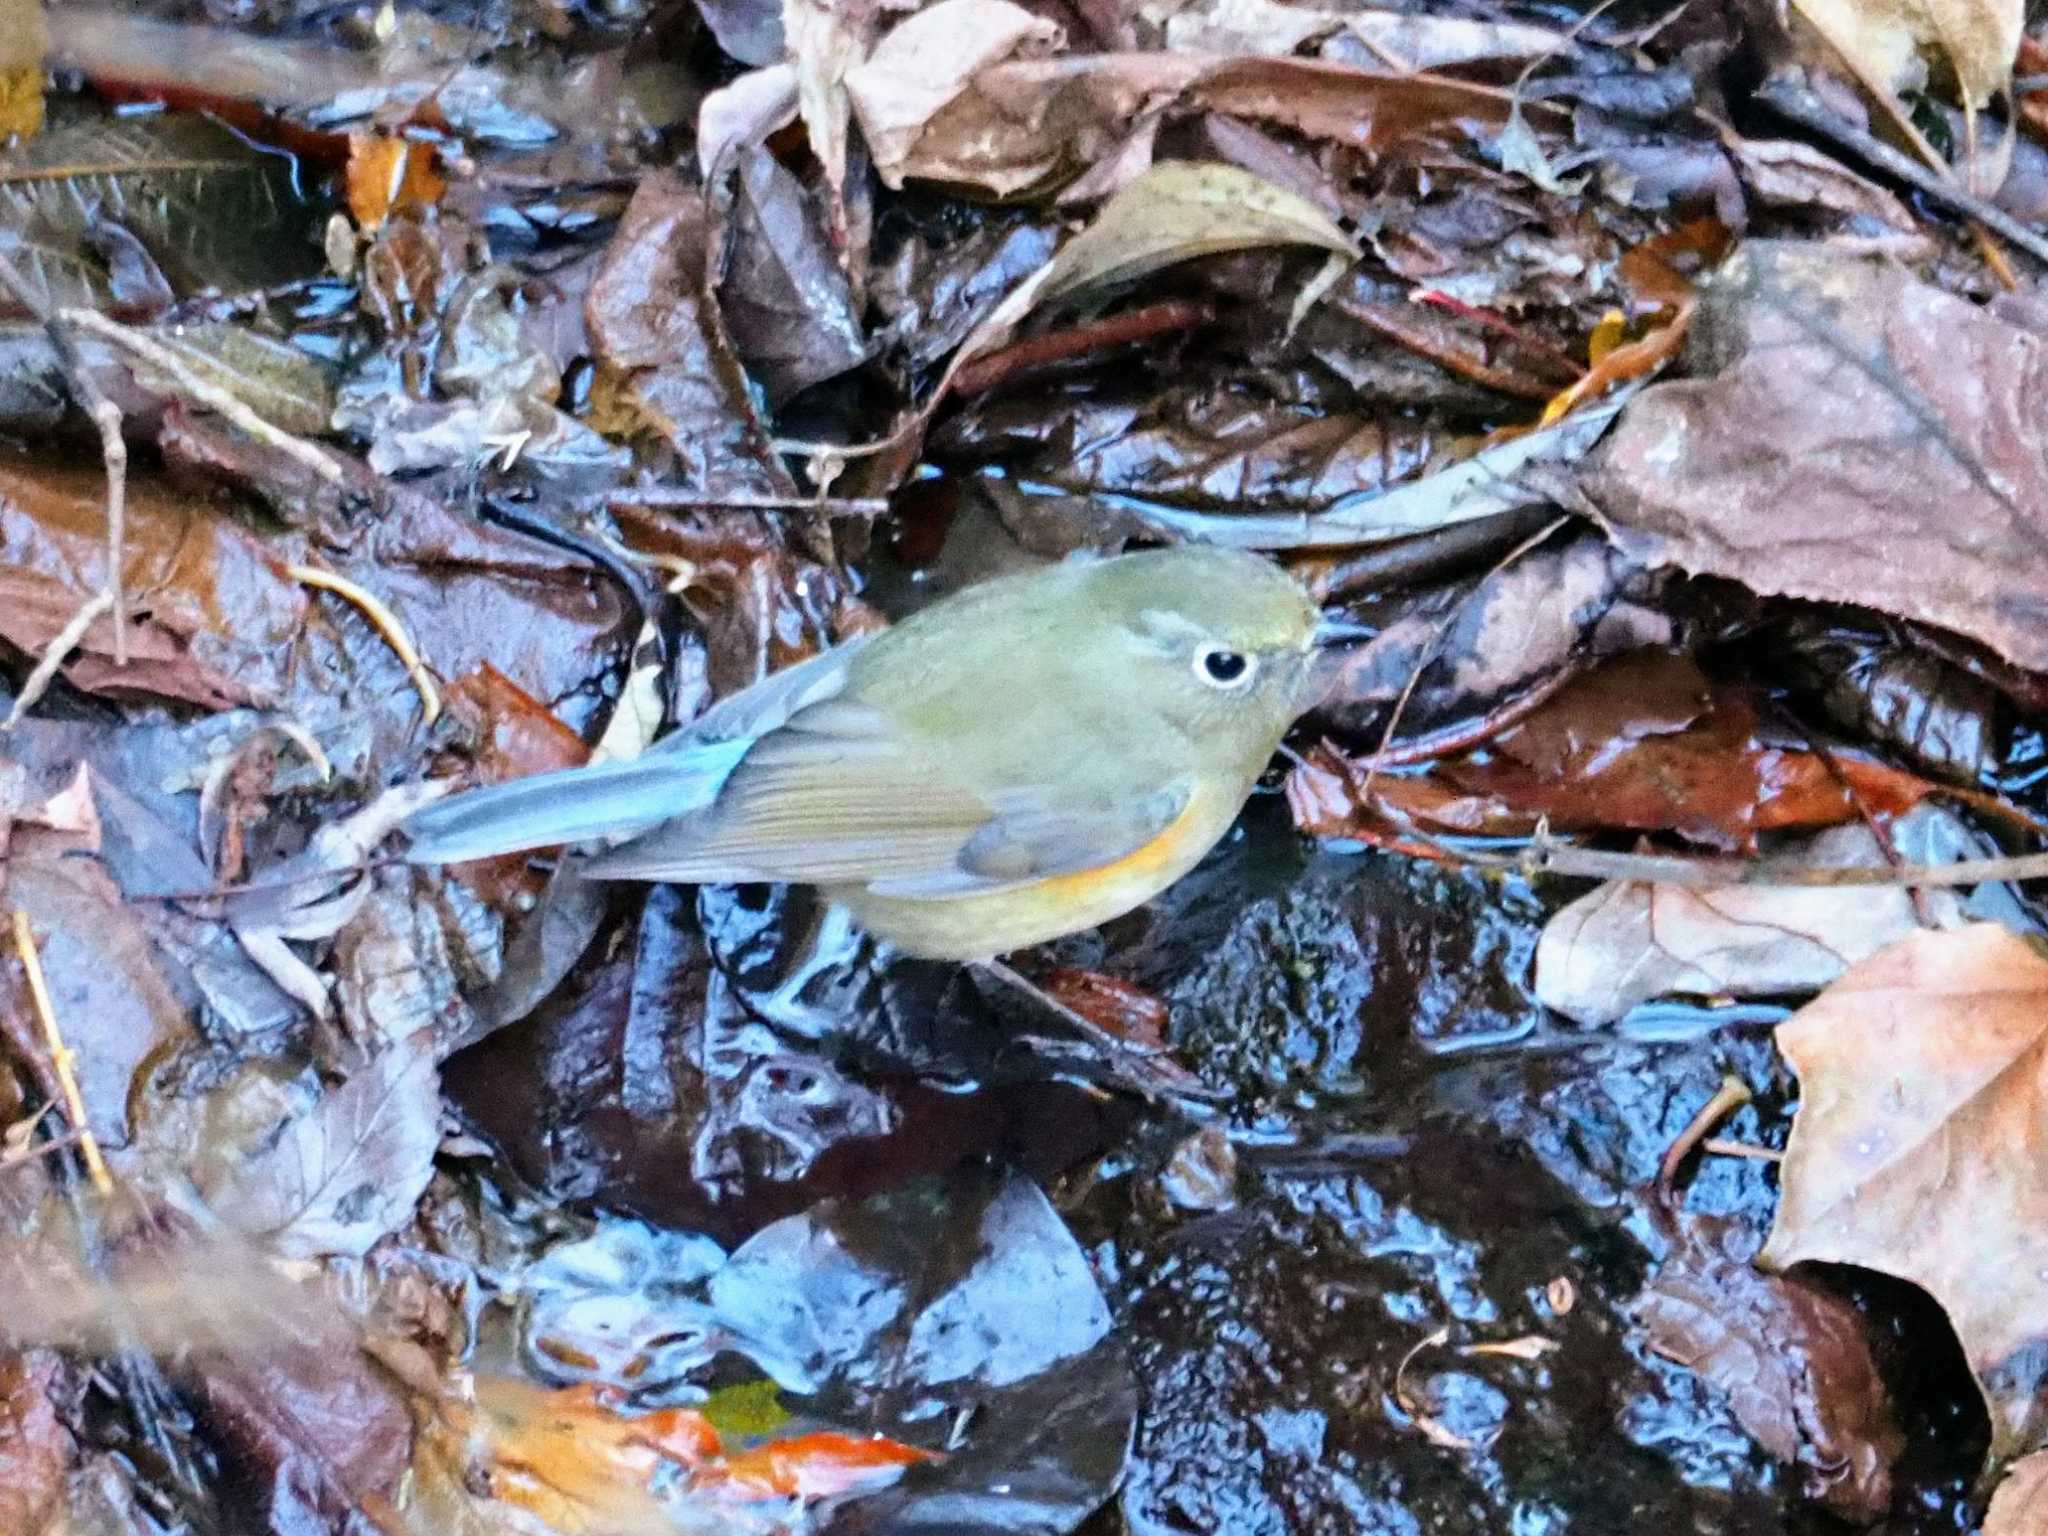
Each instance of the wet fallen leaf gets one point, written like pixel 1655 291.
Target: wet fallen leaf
pixel 1644 743
pixel 1918 1149
pixel 1857 437
pixel 108 982
pixel 215 612
pixel 1794 1359
pixel 786 298
pixel 346 1170
pixel 198 204
pixel 654 324
pixel 1630 941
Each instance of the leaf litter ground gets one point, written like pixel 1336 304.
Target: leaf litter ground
pixel 500 386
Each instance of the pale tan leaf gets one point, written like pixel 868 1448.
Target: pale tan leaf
pixel 2020 1506
pixel 1631 940
pixel 1921 1145
pixel 925 63
pixel 1884 40
pixel 1182 210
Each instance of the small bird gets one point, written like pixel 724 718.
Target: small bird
pixel 1022 760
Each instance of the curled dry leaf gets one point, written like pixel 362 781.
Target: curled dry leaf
pixel 1854 436
pixel 1921 1145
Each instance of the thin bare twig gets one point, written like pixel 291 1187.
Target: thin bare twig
pixel 60 646
pixel 1546 857
pixel 830 506
pixel 1798 104
pixel 1721 1146
pixel 87 395
pixel 1729 1097
pixel 385 622
pixel 212 396
pixel 1436 640
pixel 61 1058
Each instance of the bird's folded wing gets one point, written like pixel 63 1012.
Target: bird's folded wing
pixel 837 799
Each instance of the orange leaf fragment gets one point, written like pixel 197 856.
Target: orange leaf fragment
pixel 569 1455
pixel 814 1466
pixel 387 173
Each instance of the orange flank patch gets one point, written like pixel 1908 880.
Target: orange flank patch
pixel 1146 867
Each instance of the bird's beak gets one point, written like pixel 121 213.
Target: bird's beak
pixel 1330 649
pixel 1339 629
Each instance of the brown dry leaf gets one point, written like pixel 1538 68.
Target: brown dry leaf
pixel 655 327
pixel 36 1450
pixel 1631 940
pixel 1794 1359
pixel 1884 40
pixel 1009 125
pixel 214 613
pixel 1855 436
pixel 1921 1145
pixel 2020 1506
pixel 927 62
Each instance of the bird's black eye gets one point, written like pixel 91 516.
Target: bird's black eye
pixel 1223 669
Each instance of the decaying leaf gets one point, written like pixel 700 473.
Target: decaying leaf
pixel 1856 436
pixel 786 299
pixel 1794 1359
pixel 1007 123
pixel 655 326
pixel 91 209
pixel 1644 742
pixel 1921 1145
pixel 339 1176
pixel 215 612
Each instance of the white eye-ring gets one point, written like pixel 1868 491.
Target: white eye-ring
pixel 1221 667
